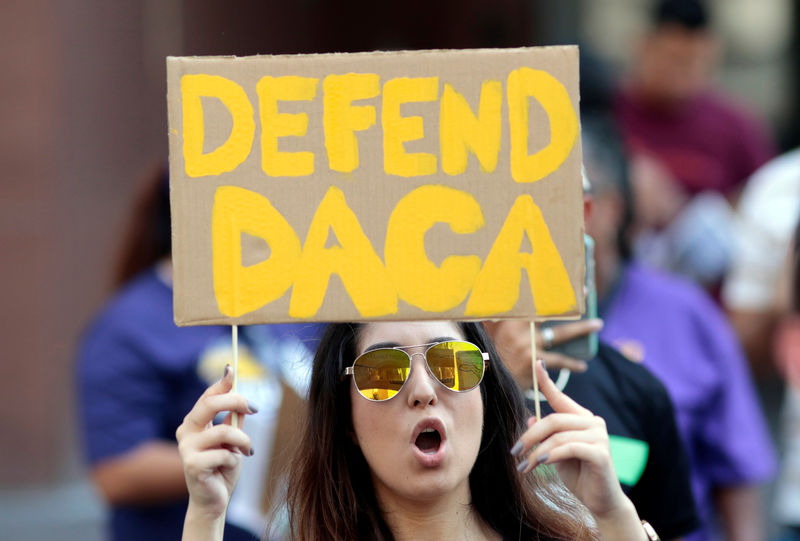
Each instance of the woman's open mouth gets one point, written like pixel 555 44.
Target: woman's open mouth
pixel 428 442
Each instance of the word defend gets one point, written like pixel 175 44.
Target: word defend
pixel 460 130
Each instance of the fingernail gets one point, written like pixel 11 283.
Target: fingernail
pixel 251 407
pixel 542 459
pixel 227 371
pixel 582 366
pixel 252 451
pixel 522 465
pixel 516 449
pixel 547 375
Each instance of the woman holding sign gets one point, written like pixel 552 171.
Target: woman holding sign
pixel 417 431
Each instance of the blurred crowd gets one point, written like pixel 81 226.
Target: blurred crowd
pixel 693 215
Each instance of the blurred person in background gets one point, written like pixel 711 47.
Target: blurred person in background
pixel 756 295
pixel 756 298
pixel 138 374
pixel 761 297
pixel 766 216
pixel 679 333
pixel 694 147
pixel 786 344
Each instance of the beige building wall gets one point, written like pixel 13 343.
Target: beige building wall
pixel 81 118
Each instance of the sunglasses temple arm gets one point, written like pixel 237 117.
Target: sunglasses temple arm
pixel 347 372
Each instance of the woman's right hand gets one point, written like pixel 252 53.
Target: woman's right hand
pixel 575 443
pixel 212 457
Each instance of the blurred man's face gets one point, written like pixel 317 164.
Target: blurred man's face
pixel 674 63
pixel 603 221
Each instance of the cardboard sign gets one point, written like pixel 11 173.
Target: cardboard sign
pixel 398 185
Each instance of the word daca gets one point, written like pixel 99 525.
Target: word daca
pixel 490 287
pixel 460 130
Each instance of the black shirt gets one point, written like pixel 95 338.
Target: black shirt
pixel 648 453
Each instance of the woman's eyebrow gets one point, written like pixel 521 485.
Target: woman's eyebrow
pixel 380 345
pixel 438 339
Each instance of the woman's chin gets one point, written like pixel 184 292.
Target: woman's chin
pixel 427 485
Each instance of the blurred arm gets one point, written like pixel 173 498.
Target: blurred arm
pixel 150 473
pixel 755 329
pixel 739 508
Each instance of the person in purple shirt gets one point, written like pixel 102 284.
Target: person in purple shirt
pixel 678 332
pixel 138 374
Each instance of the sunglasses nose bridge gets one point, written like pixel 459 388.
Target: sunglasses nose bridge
pixel 425 365
pixel 421 383
pixel 424 369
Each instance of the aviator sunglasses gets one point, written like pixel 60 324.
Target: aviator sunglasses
pixel 380 373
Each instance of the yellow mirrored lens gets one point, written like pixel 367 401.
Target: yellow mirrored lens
pixel 380 373
pixel 458 365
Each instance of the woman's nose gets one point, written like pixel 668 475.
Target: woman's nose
pixel 422 388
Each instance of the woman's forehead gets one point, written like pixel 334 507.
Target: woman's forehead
pixel 405 333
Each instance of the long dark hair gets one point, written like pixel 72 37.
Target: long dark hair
pixel 331 496
pixel 147 238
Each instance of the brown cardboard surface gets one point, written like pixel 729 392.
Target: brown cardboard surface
pixel 387 185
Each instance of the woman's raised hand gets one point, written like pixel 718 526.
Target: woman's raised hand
pixel 575 443
pixel 212 456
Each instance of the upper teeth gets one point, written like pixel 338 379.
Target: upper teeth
pixel 428 430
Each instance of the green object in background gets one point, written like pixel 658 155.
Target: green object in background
pixel 629 457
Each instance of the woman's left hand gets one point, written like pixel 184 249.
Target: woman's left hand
pixel 575 442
